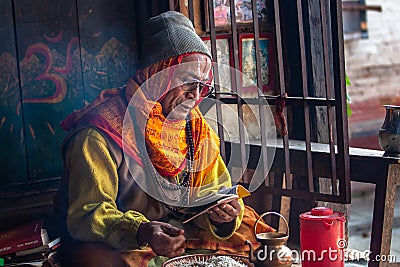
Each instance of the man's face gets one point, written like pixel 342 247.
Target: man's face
pixel 187 84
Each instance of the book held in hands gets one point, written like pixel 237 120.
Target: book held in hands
pixel 222 196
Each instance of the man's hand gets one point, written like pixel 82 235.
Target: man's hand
pixel 225 212
pixel 163 238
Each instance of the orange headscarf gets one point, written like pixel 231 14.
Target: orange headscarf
pixel 165 139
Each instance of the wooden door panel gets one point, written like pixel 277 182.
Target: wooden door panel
pixel 53 67
pixel 12 142
pixel 50 65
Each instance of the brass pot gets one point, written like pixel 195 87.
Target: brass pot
pixel 272 251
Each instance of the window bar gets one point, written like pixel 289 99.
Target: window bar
pixel 329 90
pixel 263 155
pixel 278 180
pixel 305 94
pixel 171 5
pixel 237 89
pixel 290 100
pixel 213 42
pixel 340 94
pixel 299 194
pixel 281 81
pixel 191 10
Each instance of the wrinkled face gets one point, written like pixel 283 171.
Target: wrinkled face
pixel 188 86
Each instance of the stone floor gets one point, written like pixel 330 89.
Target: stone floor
pixel 360 220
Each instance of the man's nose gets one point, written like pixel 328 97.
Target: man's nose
pixel 194 93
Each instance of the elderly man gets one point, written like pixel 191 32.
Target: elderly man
pixel 126 186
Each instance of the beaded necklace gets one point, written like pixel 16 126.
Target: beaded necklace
pixel 161 183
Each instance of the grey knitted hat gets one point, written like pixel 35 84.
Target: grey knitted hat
pixel 168 35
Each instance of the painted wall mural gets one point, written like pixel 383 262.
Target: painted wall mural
pixel 56 57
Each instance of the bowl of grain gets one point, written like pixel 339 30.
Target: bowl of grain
pixel 208 260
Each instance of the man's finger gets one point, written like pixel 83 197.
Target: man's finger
pixel 235 204
pixel 220 216
pixel 230 210
pixel 172 230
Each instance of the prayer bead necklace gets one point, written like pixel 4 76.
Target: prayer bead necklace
pixel 162 183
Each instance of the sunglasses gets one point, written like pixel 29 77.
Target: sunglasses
pixel 205 89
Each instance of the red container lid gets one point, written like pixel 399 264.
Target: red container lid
pixel 322 213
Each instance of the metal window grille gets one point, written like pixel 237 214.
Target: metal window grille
pixel 308 65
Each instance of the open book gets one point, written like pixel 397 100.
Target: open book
pixel 222 196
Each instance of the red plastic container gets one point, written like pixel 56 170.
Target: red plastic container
pixel 322 238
